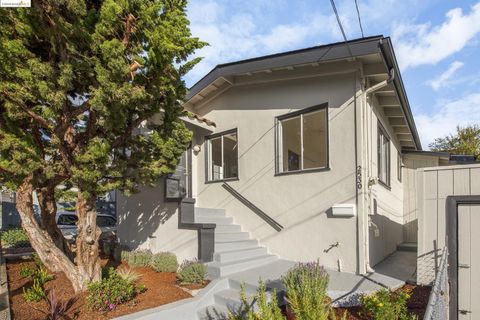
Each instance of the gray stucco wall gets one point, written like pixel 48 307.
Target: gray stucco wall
pixel 300 202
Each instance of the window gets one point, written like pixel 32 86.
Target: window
pixel 302 140
pixel 103 221
pixel 67 220
pixel 222 156
pixel 399 166
pixel 383 156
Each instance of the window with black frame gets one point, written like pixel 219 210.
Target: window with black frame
pixel 302 140
pixel 222 156
pixel 383 156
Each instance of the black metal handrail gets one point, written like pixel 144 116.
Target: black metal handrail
pixel 274 224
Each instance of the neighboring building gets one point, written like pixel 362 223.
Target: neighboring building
pixel 312 152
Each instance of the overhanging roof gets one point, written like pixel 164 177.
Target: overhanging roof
pixel 223 76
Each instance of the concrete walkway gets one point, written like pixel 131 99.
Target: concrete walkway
pixel 222 295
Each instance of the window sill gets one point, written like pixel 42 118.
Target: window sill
pixel 286 173
pixel 386 186
pixel 222 180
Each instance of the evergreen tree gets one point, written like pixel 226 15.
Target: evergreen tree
pixel 465 141
pixel 78 81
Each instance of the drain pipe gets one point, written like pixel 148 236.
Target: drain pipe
pixel 367 195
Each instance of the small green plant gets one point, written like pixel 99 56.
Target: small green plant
pixel 164 262
pixel 111 291
pixel 139 258
pixel 37 260
pixel 306 291
pixel 128 274
pixel 15 238
pixel 57 309
pixel 34 293
pixel 191 272
pixel 386 305
pixel 42 275
pixel 258 307
pixel 27 272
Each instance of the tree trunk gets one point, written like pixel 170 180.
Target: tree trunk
pixel 87 258
pixel 48 206
pixel 53 258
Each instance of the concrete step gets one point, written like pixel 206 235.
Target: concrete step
pixel 217 269
pixel 228 228
pixel 213 312
pixel 242 254
pixel 407 246
pixel 213 219
pixel 222 246
pixel 229 298
pixel 210 211
pixel 231 236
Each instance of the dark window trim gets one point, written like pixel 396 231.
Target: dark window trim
pixel 207 151
pixel 277 139
pixel 399 166
pixel 381 130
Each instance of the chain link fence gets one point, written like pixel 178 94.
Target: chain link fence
pixel 437 308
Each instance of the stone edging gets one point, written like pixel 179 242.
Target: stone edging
pixel 4 299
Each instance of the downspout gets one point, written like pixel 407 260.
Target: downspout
pixel 360 222
pixel 368 184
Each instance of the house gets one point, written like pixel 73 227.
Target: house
pixel 304 155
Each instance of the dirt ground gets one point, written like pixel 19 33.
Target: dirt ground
pixel 161 288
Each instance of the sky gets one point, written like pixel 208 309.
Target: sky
pixel 437 44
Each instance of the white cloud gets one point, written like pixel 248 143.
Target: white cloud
pixel 241 35
pixel 444 78
pixel 419 44
pixel 464 111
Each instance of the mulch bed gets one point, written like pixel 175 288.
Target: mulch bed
pixel 161 288
pixel 416 304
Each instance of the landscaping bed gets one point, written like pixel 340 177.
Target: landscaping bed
pixel 159 288
pixel 416 303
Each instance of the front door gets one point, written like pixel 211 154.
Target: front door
pixel 178 185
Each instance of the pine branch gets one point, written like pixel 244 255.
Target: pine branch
pixel 36 117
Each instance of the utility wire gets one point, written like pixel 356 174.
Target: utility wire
pixel 359 19
pixel 341 27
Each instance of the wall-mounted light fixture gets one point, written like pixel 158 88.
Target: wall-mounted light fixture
pixel 196 148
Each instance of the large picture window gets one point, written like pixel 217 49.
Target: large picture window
pixel 383 156
pixel 302 140
pixel 222 156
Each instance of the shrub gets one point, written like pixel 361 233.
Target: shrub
pixel 34 293
pixel 164 262
pixel 386 305
pixel 42 275
pixel 140 258
pixel 306 291
pixel 264 309
pixel 57 309
pixel 127 274
pixel 27 272
pixel 111 291
pixel 15 238
pixel 192 272
pixel 37 260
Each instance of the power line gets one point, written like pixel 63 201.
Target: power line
pixel 341 27
pixel 359 19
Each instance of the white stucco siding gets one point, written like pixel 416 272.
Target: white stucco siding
pixel 300 202
pixel 386 224
pixel 145 221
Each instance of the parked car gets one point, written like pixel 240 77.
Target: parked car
pixel 67 223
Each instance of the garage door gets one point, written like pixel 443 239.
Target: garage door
pixel 468 262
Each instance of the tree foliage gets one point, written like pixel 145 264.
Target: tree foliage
pixel 465 141
pixel 78 81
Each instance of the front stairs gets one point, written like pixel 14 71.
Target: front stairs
pixel 234 250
